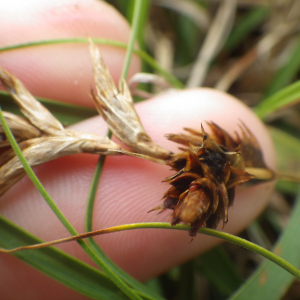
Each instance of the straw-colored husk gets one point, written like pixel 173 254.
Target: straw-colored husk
pixel 116 107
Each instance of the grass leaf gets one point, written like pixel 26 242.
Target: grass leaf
pixel 58 265
pixel 147 58
pixel 269 281
pixel 285 97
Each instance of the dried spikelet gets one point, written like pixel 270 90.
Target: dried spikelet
pixel 42 137
pixel 39 150
pixel 116 107
pixel 202 190
pixel 36 113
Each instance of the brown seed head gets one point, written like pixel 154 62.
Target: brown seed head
pixel 207 173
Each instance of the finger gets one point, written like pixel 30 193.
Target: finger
pixel 129 187
pixel 61 71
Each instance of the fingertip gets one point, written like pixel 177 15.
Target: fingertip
pixel 61 71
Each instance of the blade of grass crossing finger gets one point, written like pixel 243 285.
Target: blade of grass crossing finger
pixel 215 233
pixel 58 265
pixel 33 177
pixel 279 261
pixel 286 74
pixel 138 287
pixel 141 289
pixel 123 287
pixel 270 281
pixel 147 58
pixel 285 97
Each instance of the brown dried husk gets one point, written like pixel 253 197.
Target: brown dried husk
pixel 208 171
pixel 117 108
pixel 42 137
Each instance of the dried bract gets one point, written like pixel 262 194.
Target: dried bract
pixel 116 107
pixel 42 137
pixel 203 188
pixel 35 112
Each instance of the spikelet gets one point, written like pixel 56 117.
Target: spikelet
pixel 116 107
pixel 203 188
pixel 42 137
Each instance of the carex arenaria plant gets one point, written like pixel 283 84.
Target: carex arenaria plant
pixel 207 171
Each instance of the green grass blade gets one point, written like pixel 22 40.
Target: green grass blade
pixel 242 29
pixel 215 233
pixel 129 292
pixel 270 281
pixel 138 5
pixel 138 287
pixel 143 19
pixel 257 234
pixel 218 269
pixel 147 58
pixel 287 96
pixel 58 265
pixel 66 113
pixel 33 177
pixel 187 281
pixel 287 73
pixel 288 157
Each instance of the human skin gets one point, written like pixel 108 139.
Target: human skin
pixel 129 187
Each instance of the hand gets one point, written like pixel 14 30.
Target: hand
pixel 129 187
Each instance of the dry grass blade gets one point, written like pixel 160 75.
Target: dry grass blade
pixel 39 150
pixel 216 36
pixel 42 138
pixel 149 78
pixel 36 113
pixel 48 143
pixel 158 81
pixel 116 107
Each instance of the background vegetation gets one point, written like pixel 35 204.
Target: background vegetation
pixel 250 50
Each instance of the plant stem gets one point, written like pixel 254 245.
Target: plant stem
pixel 128 291
pixel 138 6
pixel 147 58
